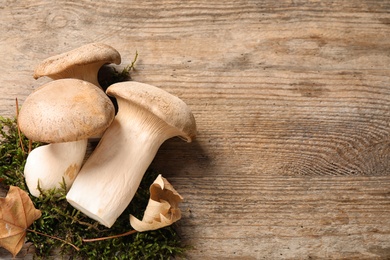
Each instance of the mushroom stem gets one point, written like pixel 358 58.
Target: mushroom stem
pixel 88 72
pixel 110 177
pixel 49 165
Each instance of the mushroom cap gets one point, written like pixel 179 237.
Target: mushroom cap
pixel 88 54
pixel 65 110
pixel 165 106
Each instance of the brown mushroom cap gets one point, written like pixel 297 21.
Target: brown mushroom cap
pixel 165 106
pixel 67 64
pixel 65 110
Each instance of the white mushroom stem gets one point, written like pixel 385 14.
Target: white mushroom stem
pixel 49 165
pixel 111 176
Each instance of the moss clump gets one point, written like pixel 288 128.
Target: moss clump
pixel 12 153
pixel 61 220
pixel 108 75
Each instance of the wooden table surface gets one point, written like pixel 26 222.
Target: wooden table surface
pixel 291 98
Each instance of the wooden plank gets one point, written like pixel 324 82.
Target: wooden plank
pixel 291 100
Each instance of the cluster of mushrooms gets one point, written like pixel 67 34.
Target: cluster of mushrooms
pixel 73 108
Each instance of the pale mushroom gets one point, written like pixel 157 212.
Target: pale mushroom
pixel 63 113
pixel 81 63
pixel 147 116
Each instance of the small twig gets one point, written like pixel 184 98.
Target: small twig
pixel 110 237
pixel 57 238
pixel 17 121
pixel 134 60
pixel 131 66
pixel 75 219
pixel 29 146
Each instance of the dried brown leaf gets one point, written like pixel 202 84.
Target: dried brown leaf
pixel 17 213
pixel 162 209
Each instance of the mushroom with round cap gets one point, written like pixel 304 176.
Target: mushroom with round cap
pixel 63 113
pixel 80 63
pixel 147 116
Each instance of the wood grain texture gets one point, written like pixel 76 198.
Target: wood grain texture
pixel 292 159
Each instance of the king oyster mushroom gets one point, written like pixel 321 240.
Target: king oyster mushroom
pixel 64 113
pixel 80 63
pixel 147 116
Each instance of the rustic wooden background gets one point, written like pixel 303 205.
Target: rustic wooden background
pixel 291 97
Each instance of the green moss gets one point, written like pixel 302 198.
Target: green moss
pixel 108 75
pixel 61 220
pixel 12 155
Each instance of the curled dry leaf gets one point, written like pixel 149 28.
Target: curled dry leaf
pixel 17 213
pixel 162 209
